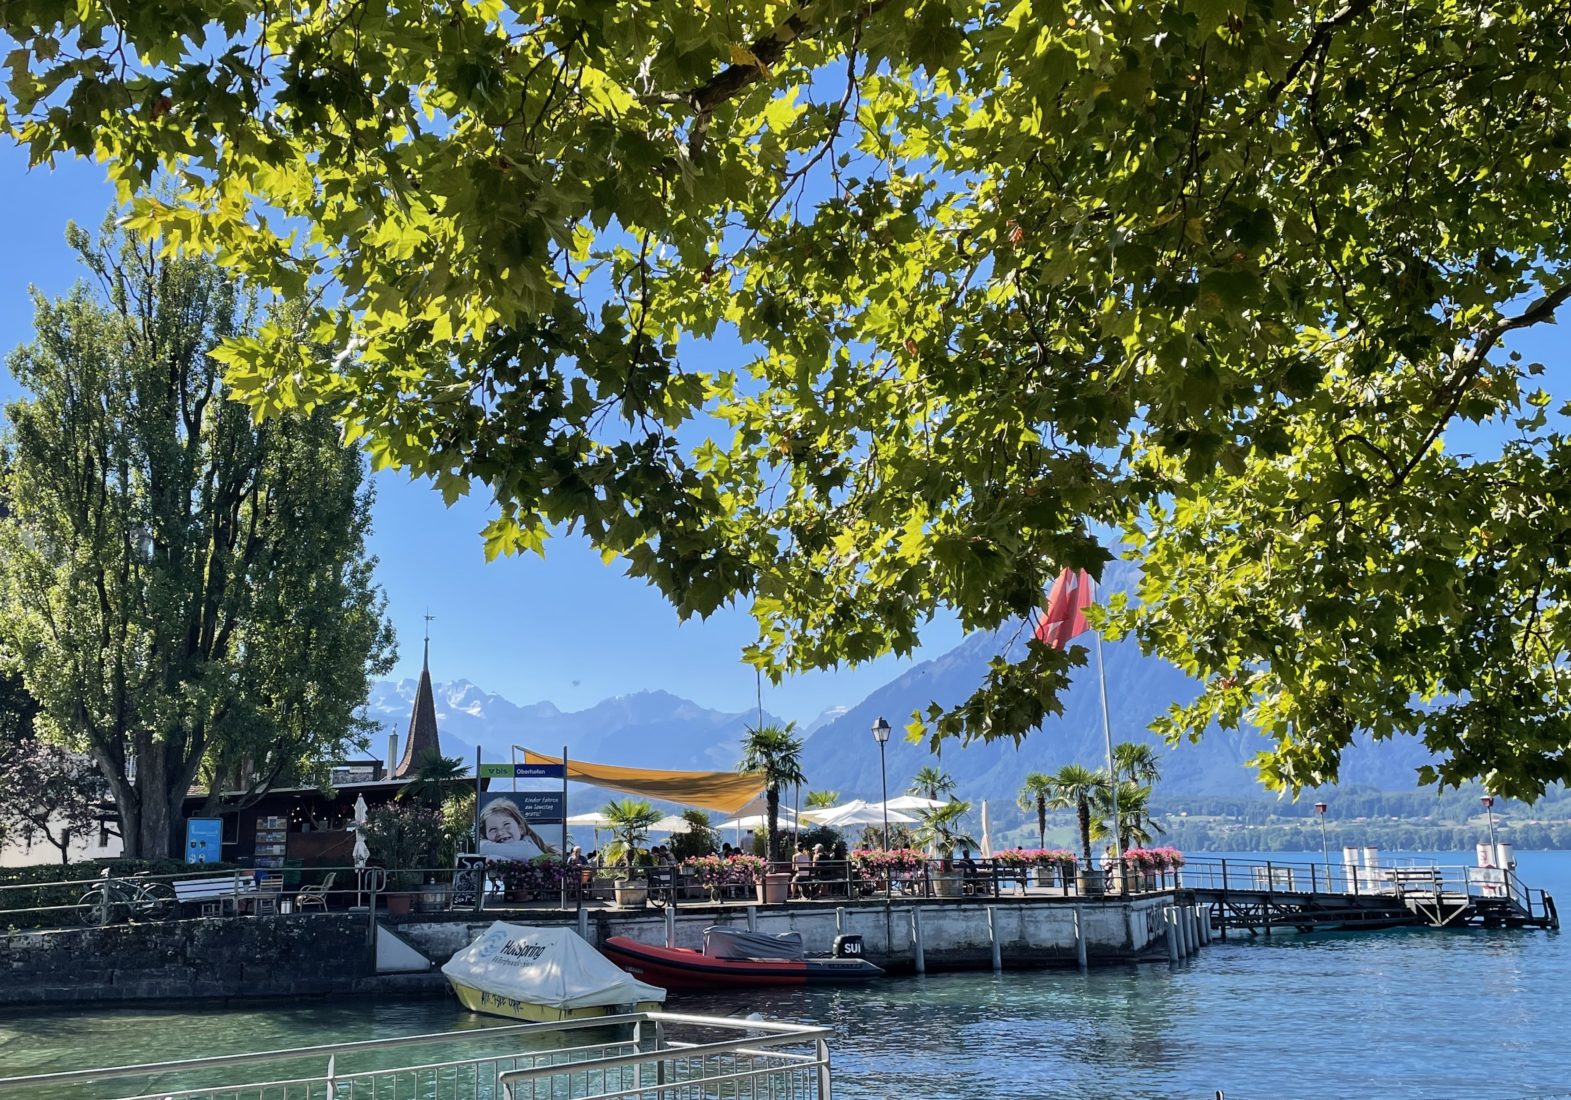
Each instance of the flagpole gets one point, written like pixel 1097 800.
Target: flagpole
pixel 1107 734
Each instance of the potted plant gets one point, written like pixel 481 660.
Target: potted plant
pixel 943 830
pixel 629 820
pixel 404 836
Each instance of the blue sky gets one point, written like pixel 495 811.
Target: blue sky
pixel 568 629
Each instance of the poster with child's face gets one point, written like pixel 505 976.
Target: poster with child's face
pixel 506 829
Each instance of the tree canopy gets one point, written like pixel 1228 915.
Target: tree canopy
pixel 185 592
pixel 864 310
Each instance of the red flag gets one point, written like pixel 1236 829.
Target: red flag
pixel 1064 616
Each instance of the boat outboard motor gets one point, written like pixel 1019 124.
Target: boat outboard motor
pixel 848 947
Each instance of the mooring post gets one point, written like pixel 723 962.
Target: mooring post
pixel 752 918
pixel 840 920
pixel 670 926
pixel 1080 937
pixel 1171 927
pixel 916 939
pixel 992 937
pixel 583 925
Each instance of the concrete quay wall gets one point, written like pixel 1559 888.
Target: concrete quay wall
pixel 322 954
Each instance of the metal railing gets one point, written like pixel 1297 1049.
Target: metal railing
pixel 108 899
pixel 1405 877
pixel 646 1054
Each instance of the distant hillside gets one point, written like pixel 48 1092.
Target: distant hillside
pixel 1139 689
pixel 659 729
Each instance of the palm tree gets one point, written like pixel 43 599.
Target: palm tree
pixel 1136 762
pixel 817 800
pixel 629 820
pixel 1034 794
pixel 1135 827
pixel 932 783
pixel 776 752
pixel 1074 787
pixel 943 830
pixel 432 775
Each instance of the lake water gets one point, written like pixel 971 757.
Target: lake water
pixel 1400 1015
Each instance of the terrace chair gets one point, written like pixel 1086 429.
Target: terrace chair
pixel 315 895
pixel 269 889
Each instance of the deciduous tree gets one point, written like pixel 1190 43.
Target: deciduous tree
pixel 185 591
pixel 1001 271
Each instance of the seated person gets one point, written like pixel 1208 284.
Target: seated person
pixel 801 870
pixel 968 869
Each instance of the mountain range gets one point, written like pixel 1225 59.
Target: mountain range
pixel 658 729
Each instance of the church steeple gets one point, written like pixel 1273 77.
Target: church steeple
pixel 423 739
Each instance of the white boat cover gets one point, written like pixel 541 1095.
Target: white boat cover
pixel 721 942
pixel 545 966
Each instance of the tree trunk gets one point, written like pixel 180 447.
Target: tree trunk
pixel 1083 811
pixel 1041 823
pixel 772 843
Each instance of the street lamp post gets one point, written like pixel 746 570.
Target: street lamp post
pixel 1489 807
pixel 1325 849
pixel 881 735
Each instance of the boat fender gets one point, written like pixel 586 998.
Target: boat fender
pixel 848 947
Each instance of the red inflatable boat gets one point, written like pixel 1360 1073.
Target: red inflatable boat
pixel 733 957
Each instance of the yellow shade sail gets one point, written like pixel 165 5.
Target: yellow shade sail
pixel 723 791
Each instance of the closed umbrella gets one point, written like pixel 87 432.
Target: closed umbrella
pixel 987 841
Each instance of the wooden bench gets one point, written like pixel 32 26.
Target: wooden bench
pixel 1415 880
pixel 214 893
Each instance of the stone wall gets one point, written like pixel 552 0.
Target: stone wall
pixel 178 960
pixel 330 953
pixel 955 934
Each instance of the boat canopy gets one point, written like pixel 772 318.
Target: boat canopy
pixel 738 943
pixel 545 966
pixel 723 791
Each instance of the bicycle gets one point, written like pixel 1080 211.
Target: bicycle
pixel 116 899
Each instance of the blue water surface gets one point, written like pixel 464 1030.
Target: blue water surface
pixel 1412 1014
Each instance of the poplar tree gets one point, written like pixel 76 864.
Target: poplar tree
pixel 186 592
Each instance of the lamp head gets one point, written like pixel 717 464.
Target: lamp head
pixel 881 730
pixel 1488 800
pixel 1320 808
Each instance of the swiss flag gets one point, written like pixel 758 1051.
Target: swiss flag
pixel 1064 616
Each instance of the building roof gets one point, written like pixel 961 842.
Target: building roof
pixel 423 738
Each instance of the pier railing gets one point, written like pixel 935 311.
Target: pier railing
pixel 1393 877
pixel 653 1055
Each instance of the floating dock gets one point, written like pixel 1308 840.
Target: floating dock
pixel 1259 896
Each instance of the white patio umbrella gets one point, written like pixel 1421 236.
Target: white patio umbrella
pixel 594 819
pixel 671 823
pixel 987 841
pixel 758 821
pixel 856 812
pixel 914 802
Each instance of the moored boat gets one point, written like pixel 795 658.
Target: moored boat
pixel 735 957
pixel 543 974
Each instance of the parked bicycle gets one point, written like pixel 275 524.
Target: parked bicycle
pixel 116 899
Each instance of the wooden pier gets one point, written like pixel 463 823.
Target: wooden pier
pixel 1259 896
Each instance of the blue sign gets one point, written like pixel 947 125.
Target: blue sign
pixel 203 839
pixel 522 771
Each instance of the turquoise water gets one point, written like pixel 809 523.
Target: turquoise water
pixel 1404 1015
